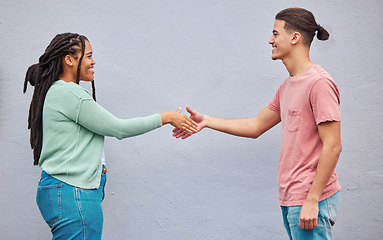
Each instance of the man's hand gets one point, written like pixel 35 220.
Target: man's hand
pixel 308 217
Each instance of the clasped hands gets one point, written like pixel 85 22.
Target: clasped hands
pixel 197 118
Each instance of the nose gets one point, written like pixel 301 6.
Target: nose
pixel 271 40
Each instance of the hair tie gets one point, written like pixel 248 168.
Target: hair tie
pixel 319 27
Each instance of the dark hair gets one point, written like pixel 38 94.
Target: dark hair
pixel 302 20
pixel 43 74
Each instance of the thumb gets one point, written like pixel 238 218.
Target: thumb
pixel 179 110
pixel 189 110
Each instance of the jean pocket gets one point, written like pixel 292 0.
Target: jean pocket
pixel 293 120
pixel 333 203
pixel 48 200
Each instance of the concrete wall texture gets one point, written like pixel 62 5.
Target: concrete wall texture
pixel 154 56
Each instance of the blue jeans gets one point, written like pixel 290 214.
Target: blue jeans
pixel 71 212
pixel 326 219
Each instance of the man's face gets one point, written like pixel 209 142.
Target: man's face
pixel 280 40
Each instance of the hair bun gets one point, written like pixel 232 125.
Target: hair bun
pixel 322 33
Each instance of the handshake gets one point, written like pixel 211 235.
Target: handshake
pixel 185 126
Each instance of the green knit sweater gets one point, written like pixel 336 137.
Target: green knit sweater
pixel 74 126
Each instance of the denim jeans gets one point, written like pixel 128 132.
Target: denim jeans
pixel 326 219
pixel 71 212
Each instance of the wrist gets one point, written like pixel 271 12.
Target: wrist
pixel 165 117
pixel 208 121
pixel 312 198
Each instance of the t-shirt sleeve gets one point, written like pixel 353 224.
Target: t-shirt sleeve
pixel 325 101
pixel 274 104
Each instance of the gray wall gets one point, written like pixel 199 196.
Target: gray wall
pixel 154 56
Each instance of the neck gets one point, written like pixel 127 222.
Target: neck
pixel 297 62
pixel 67 77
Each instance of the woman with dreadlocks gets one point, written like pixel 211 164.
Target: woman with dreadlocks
pixel 67 130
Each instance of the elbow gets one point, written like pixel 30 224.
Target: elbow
pixel 336 148
pixel 119 137
pixel 255 134
pixel 339 148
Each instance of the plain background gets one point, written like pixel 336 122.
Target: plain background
pixel 155 56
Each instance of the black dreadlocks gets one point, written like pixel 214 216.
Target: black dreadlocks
pixel 43 74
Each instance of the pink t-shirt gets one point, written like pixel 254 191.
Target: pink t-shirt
pixel 303 102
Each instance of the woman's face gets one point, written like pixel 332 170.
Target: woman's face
pixel 87 64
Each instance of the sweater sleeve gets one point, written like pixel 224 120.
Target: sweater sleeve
pixel 98 120
pixel 76 104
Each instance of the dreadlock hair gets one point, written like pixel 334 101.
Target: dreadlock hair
pixel 43 74
pixel 302 20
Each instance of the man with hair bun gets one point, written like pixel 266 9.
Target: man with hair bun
pixel 307 105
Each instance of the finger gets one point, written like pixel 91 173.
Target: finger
pixel 304 225
pixel 190 129
pixel 179 110
pixel 307 224
pixel 186 136
pixel 193 122
pixel 310 224
pixel 179 133
pixel 301 224
pixel 190 125
pixel 183 135
pixel 176 135
pixel 315 223
pixel 193 126
pixel 176 131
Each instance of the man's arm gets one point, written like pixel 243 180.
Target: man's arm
pixel 243 127
pixel 329 133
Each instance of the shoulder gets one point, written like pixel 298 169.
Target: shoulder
pixel 318 73
pixel 64 89
pixel 322 80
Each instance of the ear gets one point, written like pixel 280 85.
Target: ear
pixel 68 60
pixel 296 38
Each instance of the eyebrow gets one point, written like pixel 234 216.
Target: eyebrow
pixel 89 53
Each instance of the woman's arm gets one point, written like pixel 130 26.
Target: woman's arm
pixel 98 120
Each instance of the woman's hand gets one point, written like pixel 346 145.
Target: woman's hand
pixel 179 121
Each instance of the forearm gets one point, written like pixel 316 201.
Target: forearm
pixel 329 133
pixel 98 120
pixel 326 166
pixel 243 127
